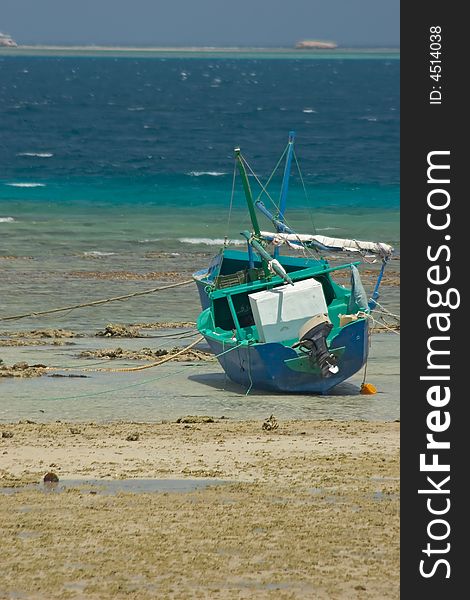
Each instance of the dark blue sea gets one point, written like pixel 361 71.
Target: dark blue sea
pixel 127 121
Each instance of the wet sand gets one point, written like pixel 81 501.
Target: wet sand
pixel 309 510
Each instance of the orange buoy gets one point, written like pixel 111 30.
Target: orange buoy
pixel 368 389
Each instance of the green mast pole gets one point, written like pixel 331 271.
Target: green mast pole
pixel 251 207
pixel 248 194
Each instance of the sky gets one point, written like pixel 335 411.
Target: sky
pixel 201 22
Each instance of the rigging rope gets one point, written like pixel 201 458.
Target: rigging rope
pixel 272 174
pixel 263 188
pixel 305 249
pixel 305 191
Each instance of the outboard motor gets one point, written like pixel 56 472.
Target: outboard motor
pixel 312 340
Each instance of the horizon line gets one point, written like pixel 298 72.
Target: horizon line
pixel 114 46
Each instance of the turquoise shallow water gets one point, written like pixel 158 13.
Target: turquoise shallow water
pixel 116 216
pixel 59 239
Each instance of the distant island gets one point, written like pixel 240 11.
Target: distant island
pixel 315 45
pixel 7 41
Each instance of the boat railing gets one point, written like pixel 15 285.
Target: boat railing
pixel 276 281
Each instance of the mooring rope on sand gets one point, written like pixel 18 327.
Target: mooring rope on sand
pixel 141 367
pixel 96 302
pixel 384 325
pixel 129 369
pixel 111 390
pixel 136 383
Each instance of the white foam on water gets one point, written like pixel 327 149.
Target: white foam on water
pixel 36 154
pixel 309 110
pixel 208 173
pixel 98 253
pixel 211 241
pixel 26 185
pixel 7 219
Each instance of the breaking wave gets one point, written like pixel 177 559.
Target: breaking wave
pixel 37 154
pixel 96 253
pixel 26 185
pixel 211 241
pixel 209 173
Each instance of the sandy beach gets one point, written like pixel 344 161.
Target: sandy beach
pixel 308 509
pixel 215 507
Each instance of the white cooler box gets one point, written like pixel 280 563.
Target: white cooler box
pixel 279 313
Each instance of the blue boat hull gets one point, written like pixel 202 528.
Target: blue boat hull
pixel 263 366
pixel 201 288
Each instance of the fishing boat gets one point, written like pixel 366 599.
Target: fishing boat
pixel 282 323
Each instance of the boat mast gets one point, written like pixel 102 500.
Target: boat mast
pixel 251 208
pixel 255 240
pixel 248 194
